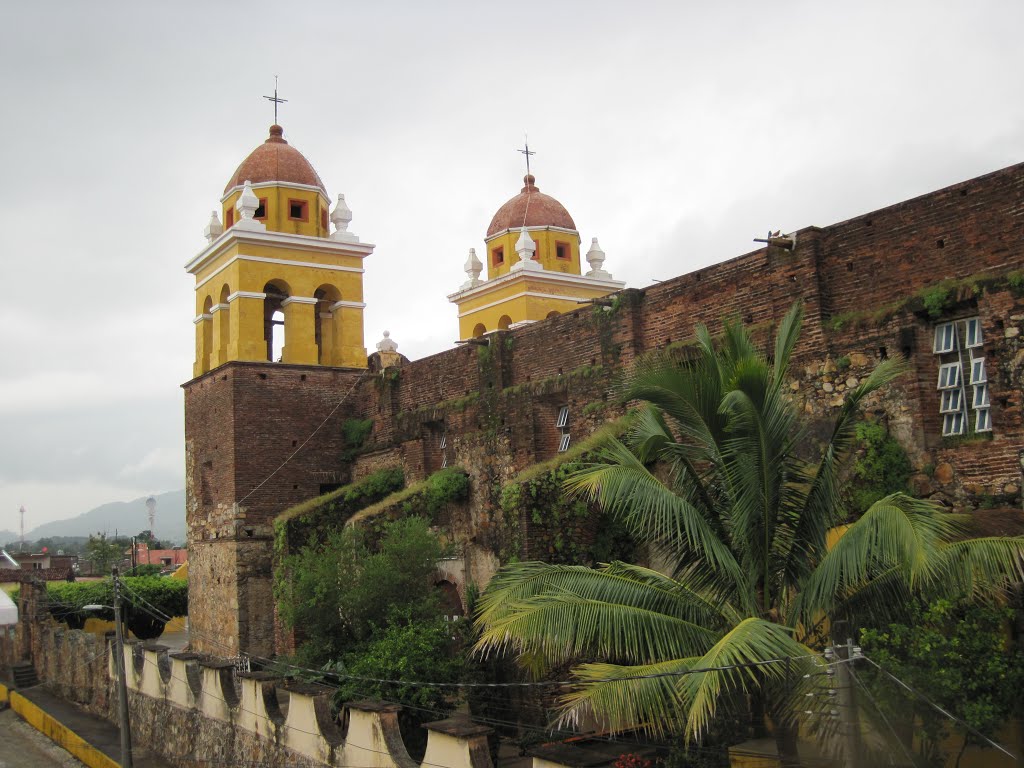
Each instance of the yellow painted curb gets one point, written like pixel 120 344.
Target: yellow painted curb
pixel 3 693
pixel 57 732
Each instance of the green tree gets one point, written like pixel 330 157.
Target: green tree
pixel 336 593
pixel 408 649
pixel 956 654
pixel 713 475
pixel 103 552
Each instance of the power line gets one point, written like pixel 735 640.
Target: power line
pixel 939 709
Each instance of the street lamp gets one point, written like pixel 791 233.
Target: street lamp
pixel 122 684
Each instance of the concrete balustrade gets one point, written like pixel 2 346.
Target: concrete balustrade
pixel 296 716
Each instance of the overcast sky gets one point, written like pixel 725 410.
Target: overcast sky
pixel 673 131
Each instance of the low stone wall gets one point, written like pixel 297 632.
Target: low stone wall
pixel 194 710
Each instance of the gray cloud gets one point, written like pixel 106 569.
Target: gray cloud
pixel 675 132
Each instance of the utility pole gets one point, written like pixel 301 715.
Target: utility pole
pixel 122 683
pixel 848 704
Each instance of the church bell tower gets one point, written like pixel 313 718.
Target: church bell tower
pixel 279 355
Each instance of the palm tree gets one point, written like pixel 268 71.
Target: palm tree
pixel 713 474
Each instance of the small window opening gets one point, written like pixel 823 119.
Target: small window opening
pixel 940 243
pixel 849 266
pixel 562 423
pixel 562 251
pixel 298 210
pixel 883 353
pixel 498 256
pixel 229 218
pixel 261 209
pixel 323 219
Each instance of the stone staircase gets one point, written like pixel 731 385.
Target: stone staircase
pixel 24 675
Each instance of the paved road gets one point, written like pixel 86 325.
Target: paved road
pixel 22 746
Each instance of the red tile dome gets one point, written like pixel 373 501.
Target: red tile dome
pixel 540 210
pixel 275 160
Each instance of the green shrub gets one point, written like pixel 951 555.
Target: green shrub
pixel 355 432
pixel 881 468
pixel 147 601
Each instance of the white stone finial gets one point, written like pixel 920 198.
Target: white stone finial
pixel 214 228
pixel 525 247
pixel 341 217
pixel 387 352
pixel 595 258
pixel 473 269
pixel 387 344
pixel 246 207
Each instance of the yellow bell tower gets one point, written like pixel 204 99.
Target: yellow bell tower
pixel 532 250
pixel 274 284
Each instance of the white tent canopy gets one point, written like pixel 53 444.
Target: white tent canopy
pixel 8 610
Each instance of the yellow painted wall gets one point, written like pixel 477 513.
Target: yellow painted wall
pixel 546 252
pixel 277 210
pixel 237 333
pixel 514 304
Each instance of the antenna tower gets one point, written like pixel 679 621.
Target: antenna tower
pixel 22 512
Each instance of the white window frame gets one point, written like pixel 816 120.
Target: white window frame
pixel 978 367
pixel 982 399
pixel 954 368
pixel 983 420
pixel 563 443
pixel 946 332
pixel 953 424
pixel 952 400
pixel 975 324
pixel 562 420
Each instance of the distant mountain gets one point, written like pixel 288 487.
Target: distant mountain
pixel 124 517
pixel 8 537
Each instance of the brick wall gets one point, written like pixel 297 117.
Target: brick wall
pixel 497 403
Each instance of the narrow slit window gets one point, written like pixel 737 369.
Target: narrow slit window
pixel 498 256
pixel 945 338
pixel 563 444
pixel 261 209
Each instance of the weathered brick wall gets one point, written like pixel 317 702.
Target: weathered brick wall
pixel 245 424
pixel 858 282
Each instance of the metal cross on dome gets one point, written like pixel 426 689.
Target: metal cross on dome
pixel 527 152
pixel 275 99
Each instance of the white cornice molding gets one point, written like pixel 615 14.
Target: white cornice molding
pixel 205 316
pixel 267 184
pixel 218 308
pixel 246 295
pixel 268 260
pixel 547 276
pixel 278 239
pixel 540 228
pixel 299 300
pixel 533 294
pixel 348 305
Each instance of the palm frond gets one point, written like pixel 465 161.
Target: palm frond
pixel 896 531
pixel 753 652
pixel 785 340
pixel 647 697
pixel 616 612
